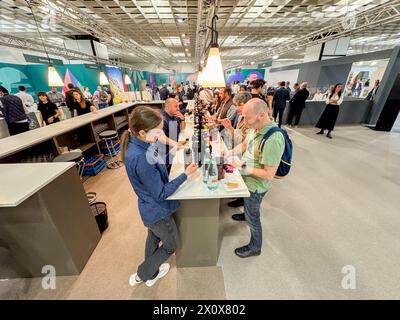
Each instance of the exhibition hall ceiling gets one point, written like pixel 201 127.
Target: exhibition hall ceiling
pixel 167 32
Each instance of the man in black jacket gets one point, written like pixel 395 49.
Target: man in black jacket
pixel 164 92
pixel 69 99
pixel 297 104
pixel 279 102
pixel 13 111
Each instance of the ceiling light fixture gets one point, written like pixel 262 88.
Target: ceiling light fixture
pixel 214 73
pixel 275 57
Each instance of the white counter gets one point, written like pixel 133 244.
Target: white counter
pixel 30 138
pixel 194 188
pixel 20 181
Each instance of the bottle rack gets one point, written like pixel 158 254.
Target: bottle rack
pixel 197 140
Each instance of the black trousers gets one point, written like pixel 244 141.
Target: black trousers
pixel 294 112
pixel 279 112
pixel 16 128
pixel 155 254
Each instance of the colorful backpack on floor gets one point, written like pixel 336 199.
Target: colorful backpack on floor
pixel 286 160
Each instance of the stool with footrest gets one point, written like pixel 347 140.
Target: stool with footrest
pixel 110 145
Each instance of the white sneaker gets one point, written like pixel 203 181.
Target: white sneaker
pixel 133 281
pixel 162 271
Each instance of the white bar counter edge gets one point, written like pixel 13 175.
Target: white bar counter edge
pixel 30 138
pixel 19 181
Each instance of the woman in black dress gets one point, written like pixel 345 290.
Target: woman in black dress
pixel 82 105
pixel 330 114
pixel 48 110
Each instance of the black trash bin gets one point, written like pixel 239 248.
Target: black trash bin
pixel 99 210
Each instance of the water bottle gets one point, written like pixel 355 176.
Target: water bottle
pixel 195 148
pixel 206 165
pixel 212 179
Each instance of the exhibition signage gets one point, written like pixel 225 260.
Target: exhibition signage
pixel 38 59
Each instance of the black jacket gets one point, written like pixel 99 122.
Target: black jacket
pixel 280 98
pixel 164 93
pixel 69 100
pixel 299 99
pixel 12 108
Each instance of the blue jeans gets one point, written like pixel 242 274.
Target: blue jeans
pixel 155 255
pixel 252 215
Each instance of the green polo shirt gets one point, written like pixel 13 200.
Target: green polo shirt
pixel 271 156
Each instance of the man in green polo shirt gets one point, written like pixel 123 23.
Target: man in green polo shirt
pixel 258 169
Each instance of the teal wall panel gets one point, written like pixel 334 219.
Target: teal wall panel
pixel 34 77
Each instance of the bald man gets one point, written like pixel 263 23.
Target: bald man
pixel 174 123
pixel 257 168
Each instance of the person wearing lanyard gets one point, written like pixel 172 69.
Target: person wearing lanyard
pixel 48 110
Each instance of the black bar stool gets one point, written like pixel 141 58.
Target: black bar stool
pixel 113 149
pixel 79 160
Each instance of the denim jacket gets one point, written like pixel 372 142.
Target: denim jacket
pixel 149 178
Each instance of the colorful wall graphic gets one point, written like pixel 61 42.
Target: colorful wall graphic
pixel 157 79
pixel 14 75
pixel 242 75
pixel 69 78
pixel 114 75
pixel 34 78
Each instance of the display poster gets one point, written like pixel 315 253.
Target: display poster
pixel 362 77
pixel 242 75
pixel 114 76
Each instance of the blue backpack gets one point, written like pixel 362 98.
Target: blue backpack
pixel 286 161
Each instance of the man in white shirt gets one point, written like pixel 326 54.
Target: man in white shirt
pixel 236 87
pixel 27 100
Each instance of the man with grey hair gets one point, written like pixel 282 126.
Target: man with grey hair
pixel 238 129
pixel 258 168
pixel 236 132
pixel 297 104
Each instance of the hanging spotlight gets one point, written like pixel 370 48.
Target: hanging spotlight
pixel 214 73
pixel 54 79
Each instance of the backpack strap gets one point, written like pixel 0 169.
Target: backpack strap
pixel 269 133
